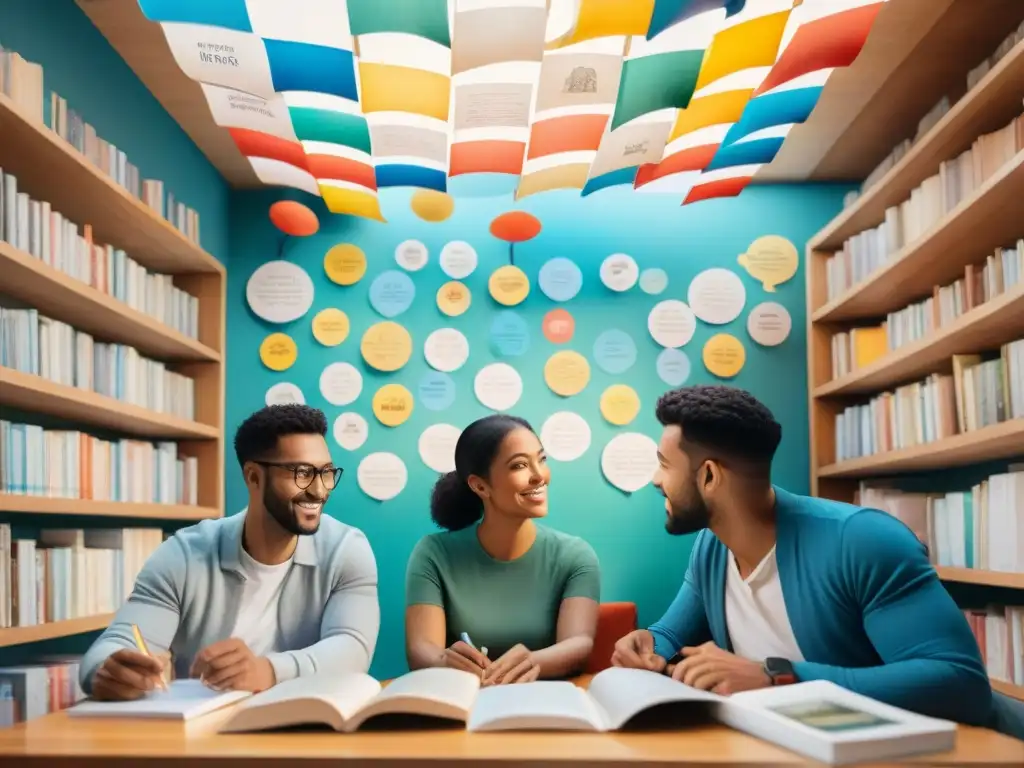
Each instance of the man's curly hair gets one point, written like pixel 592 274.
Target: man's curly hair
pixel 724 420
pixel 257 436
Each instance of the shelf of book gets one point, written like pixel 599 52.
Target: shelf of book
pixel 53 629
pixel 46 505
pixel 71 301
pixel 1008 689
pixel 980 577
pixel 48 168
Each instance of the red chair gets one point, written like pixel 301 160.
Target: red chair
pixel 615 621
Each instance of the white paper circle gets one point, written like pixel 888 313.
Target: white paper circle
pixel 717 296
pixel 382 476
pixel 411 255
pixel 498 386
pixel 653 281
pixel 565 436
pixel 629 461
pixel 671 323
pixel 458 259
pixel 283 393
pixel 446 350
pixel 437 446
pixel 340 383
pixel 769 324
pixel 350 431
pixel 279 292
pixel 619 272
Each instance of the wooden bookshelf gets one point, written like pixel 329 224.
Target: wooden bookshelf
pixel 54 629
pixel 44 505
pixel 1008 689
pixel 979 577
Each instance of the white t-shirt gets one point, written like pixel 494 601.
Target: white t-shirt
pixel 755 613
pixel 257 624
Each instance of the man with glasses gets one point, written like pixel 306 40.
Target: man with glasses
pixel 275 592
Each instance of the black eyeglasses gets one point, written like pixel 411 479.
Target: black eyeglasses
pixel 306 473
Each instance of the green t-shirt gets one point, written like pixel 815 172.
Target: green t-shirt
pixel 501 603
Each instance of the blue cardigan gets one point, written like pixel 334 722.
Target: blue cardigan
pixel 867 609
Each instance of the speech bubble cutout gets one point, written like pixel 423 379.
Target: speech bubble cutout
pixel 771 260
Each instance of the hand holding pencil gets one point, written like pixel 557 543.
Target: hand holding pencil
pixel 128 674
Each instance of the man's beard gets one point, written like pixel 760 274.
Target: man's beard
pixel 282 512
pixel 688 518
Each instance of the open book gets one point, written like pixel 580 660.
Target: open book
pixel 183 700
pixel 344 703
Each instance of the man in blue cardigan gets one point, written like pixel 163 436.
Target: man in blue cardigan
pixel 784 588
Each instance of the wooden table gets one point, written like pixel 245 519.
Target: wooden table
pixel 57 740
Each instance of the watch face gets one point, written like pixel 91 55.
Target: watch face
pixel 778 667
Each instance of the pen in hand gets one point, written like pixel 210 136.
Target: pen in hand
pixel 140 643
pixel 465 638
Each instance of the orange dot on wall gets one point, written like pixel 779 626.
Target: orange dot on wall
pixel 515 226
pixel 294 218
pixel 559 326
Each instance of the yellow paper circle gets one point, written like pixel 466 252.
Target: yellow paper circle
pixel 509 285
pixel 392 405
pixel 330 327
pixel 278 352
pixel 724 355
pixel 453 298
pixel 345 264
pixel 771 260
pixel 431 205
pixel 386 346
pixel 620 404
pixel 567 373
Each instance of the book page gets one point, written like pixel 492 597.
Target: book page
pixel 625 693
pixel 433 692
pixel 183 700
pixel 545 705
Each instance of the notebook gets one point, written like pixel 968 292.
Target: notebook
pixel 183 700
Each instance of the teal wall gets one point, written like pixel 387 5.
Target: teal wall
pixel 640 562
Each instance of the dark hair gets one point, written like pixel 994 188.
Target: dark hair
pixel 258 435
pixel 724 420
pixel 453 504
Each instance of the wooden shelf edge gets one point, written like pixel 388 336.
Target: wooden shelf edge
pixel 1005 579
pixel 996 78
pixel 46 505
pixel 54 629
pixel 1008 689
pixel 162 338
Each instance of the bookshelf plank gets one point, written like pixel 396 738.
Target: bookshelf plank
pixel 44 505
pixel 999 441
pixel 33 393
pixel 71 301
pixel 50 169
pixel 989 218
pixel 986 578
pixel 1008 689
pixel 988 326
pixel 992 103
pixel 53 629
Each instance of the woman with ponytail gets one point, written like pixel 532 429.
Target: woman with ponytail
pixel 496 594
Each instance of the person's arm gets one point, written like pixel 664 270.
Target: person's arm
pixel 350 623
pixel 577 617
pixel 685 622
pixel 425 626
pixel 154 606
pixel 931 662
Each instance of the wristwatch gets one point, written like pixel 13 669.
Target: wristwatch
pixel 779 671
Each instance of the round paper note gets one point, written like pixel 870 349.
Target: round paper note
pixel 629 461
pixel 620 404
pixel 724 355
pixel 559 326
pixel 386 346
pixel 411 255
pixel 509 285
pixel 446 349
pixel 330 327
pixel 673 367
pixel 278 352
pixel 510 336
pixel 350 431
pixel 619 272
pixel 345 264
pixel 567 373
pixel 453 298
pixel 284 393
pixel 653 281
pixel 498 386
pixel 382 476
pixel 279 292
pixel 717 296
pixel 391 293
pixel 771 260
pixel 392 405
pixel 436 391
pixel 437 447
pixel 458 260
pixel 340 383
pixel 614 351
pixel 560 279
pixel 565 436
pixel 769 324
pixel 671 323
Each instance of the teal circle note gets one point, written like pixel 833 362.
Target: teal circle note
pixel 653 281
pixel 510 335
pixel 673 367
pixel 614 351
pixel 391 293
pixel 560 279
pixel 436 391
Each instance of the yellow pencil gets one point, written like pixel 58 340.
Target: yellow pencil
pixel 143 648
